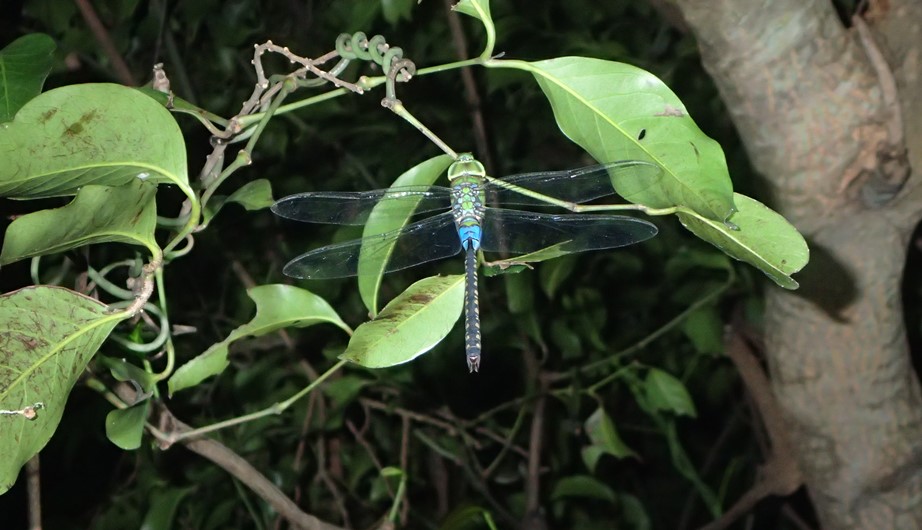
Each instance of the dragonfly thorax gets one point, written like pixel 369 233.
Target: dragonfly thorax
pixel 467 208
pixel 466 165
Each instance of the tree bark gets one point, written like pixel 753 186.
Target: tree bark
pixel 824 128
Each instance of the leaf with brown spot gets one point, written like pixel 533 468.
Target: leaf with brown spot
pixel 49 335
pixel 410 325
pixel 78 135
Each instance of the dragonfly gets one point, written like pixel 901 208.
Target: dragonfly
pixel 470 225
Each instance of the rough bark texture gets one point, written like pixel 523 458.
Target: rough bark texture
pixel 818 121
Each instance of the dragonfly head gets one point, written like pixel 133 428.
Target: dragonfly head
pixel 465 165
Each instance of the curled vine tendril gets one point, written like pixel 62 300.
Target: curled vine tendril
pixel 395 67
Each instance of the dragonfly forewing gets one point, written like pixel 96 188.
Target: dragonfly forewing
pixel 521 232
pixel 353 208
pixel 417 243
pixel 575 185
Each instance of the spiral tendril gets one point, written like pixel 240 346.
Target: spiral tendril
pixel 396 68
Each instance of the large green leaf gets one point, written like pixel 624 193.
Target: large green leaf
pixel 277 306
pixel 101 134
pixel 391 216
pixel 49 335
pixel 99 214
pixel 24 65
pixel 616 112
pixel 410 325
pixel 764 239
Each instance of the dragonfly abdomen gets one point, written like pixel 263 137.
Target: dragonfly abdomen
pixel 472 343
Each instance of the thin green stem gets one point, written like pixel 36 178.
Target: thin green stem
pixel 277 408
pixel 662 330
pixel 397 108
pixel 241 160
pixel 94 383
pixel 251 119
pixel 398 498
pixel 195 211
pixel 170 349
pixel 108 286
pixel 153 345
pixel 592 389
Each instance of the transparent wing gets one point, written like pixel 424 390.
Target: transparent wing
pixel 420 242
pixel 520 232
pixel 352 208
pixel 574 185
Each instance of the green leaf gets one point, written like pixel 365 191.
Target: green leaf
pixel 520 297
pixel 254 195
pixel 684 466
pixel 101 134
pixel 163 506
pixel 410 325
pixel 582 486
pixel 123 370
pixel 24 65
pixel 50 334
pixel 277 306
pixel 467 518
pixel 125 427
pixel 619 112
pixel 553 274
pixel 765 239
pixel 666 392
pixel 634 513
pixel 704 329
pixel 99 214
pixel 605 440
pixel 396 10
pixel 344 390
pixel 480 9
pixel 391 215
pixel 516 264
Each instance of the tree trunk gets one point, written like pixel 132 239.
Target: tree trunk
pixel 823 121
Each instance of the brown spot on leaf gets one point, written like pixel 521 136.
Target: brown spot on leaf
pixel 73 130
pixel 47 115
pixel 671 111
pixel 420 298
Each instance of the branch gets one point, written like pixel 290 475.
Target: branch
pixel 234 464
pixel 108 47
pixel 34 486
pixel 780 475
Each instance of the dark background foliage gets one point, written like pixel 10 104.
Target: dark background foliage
pixel 562 315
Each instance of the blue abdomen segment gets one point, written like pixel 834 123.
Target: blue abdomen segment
pixel 470 236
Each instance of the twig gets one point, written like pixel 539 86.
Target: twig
pixel 234 464
pixel 533 518
pixel 780 475
pixel 422 418
pixel 108 47
pixel 405 466
pixel 328 481
pixel 34 486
